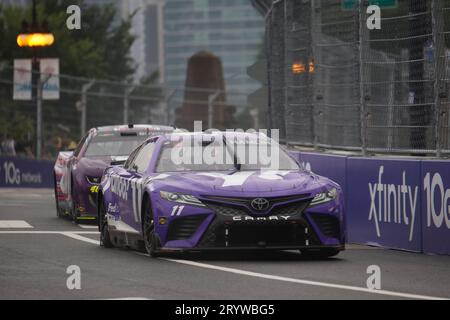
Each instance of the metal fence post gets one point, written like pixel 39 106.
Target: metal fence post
pixel 39 89
pixel 39 118
pixel 211 99
pixel 286 75
pixel 84 90
pixel 168 108
pixel 316 21
pixel 126 103
pixel 439 52
pixel 363 112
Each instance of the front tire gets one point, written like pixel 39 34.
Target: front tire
pixel 105 238
pixel 151 242
pixel 319 254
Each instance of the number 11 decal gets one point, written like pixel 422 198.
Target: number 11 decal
pixel 176 210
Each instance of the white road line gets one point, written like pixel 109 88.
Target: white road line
pixel 14 224
pixel 76 235
pixel 86 226
pixel 81 238
pixel 305 282
pixel 128 298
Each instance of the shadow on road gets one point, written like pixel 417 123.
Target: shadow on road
pixel 253 255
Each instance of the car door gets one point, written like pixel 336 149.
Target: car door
pixel 72 164
pixel 133 177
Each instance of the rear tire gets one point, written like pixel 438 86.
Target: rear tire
pixel 151 241
pixel 74 210
pixel 319 253
pixel 58 209
pixel 105 238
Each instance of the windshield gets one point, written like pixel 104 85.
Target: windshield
pixel 217 153
pixel 113 145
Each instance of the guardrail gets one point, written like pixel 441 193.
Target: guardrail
pixel 395 203
pixel 25 173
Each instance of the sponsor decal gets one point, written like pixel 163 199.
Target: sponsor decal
pixel 269 218
pixel 112 208
pixel 119 186
pixel 14 176
pixel 437 198
pixel 260 204
pixel 393 204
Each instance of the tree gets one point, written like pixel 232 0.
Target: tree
pixel 100 49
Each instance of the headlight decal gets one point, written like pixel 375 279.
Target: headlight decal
pixel 181 198
pixel 93 180
pixel 325 197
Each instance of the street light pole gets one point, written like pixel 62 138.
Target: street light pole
pixel 126 104
pixel 40 86
pixel 211 99
pixel 84 90
pixel 36 87
pixel 33 38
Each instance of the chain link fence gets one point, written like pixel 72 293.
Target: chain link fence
pixel 334 83
pixel 86 103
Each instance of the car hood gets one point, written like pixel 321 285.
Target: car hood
pixel 245 181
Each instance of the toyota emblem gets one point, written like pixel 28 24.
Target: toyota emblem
pixel 260 204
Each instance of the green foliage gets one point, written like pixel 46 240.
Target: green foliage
pixel 100 49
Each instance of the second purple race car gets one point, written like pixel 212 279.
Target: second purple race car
pixel 77 173
pixel 173 195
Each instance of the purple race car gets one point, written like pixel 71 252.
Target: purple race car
pixel 77 174
pixel 218 191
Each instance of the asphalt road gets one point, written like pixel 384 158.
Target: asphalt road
pixel 37 249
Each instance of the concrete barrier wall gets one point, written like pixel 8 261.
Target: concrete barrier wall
pixel 394 203
pixel 25 173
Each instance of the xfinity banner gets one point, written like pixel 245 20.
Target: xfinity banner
pixel 25 173
pixel 384 203
pixel 436 207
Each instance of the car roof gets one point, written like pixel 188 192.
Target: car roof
pixel 134 128
pixel 216 133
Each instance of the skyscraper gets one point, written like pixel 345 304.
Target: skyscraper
pixel 147 26
pixel 230 29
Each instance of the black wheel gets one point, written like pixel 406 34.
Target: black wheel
pixel 151 241
pixel 105 239
pixel 58 209
pixel 73 210
pixel 319 253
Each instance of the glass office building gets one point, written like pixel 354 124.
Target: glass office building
pixel 230 29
